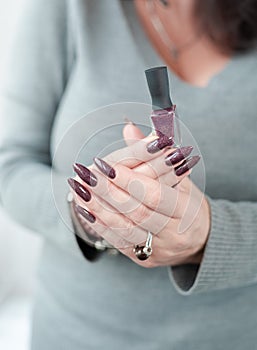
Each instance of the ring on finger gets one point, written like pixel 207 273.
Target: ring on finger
pixel 144 252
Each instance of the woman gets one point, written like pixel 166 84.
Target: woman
pixel 72 57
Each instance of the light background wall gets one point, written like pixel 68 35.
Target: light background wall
pixel 19 248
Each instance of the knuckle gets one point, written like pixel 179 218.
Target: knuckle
pixel 181 243
pixel 127 230
pixel 113 221
pixel 119 242
pixel 141 213
pixel 155 196
pixel 130 234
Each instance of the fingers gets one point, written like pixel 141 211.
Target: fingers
pixel 130 206
pixel 97 210
pixel 135 212
pixel 135 190
pixel 164 248
pixel 139 151
pixel 123 233
pixel 113 238
pixel 168 180
pixel 131 189
pixel 157 167
pixel 161 159
pixel 146 191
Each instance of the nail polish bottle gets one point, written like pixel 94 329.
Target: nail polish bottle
pixel 163 115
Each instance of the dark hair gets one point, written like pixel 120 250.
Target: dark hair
pixel 231 24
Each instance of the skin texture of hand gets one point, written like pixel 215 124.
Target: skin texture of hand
pixel 140 199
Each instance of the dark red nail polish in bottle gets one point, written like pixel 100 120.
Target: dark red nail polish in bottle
pixel 163 113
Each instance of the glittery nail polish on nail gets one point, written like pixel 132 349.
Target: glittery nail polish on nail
pixel 104 167
pixel 160 143
pixel 178 155
pixel 85 213
pixel 186 165
pixel 80 190
pixel 85 174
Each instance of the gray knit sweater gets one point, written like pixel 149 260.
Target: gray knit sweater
pixel 67 59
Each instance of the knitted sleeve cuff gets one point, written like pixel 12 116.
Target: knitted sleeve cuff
pixel 230 258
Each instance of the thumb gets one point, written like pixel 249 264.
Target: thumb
pixel 131 133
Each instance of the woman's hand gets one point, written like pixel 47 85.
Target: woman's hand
pixel 123 208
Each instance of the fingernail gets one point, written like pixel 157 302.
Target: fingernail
pixel 85 174
pixel 186 165
pixel 105 168
pixel 128 121
pixel 85 213
pixel 160 143
pixel 178 154
pixel 80 190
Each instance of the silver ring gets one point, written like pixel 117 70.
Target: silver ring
pixel 143 252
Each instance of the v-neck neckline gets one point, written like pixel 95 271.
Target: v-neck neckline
pixel 152 58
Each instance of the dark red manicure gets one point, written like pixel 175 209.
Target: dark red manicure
pixel 186 165
pixel 80 190
pixel 85 174
pixel 160 143
pixel 178 155
pixel 85 213
pixel 105 168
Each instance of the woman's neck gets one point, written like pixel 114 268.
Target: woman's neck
pixel 197 59
pixel 200 63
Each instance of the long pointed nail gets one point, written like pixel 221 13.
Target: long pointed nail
pixel 85 213
pixel 186 165
pixel 80 190
pixel 178 155
pixel 105 168
pixel 160 143
pixel 85 174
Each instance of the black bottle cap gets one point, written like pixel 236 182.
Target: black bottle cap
pixel 158 83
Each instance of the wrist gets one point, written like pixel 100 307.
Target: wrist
pixel 205 228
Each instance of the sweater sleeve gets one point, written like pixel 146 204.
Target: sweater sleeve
pixel 230 256
pixel 37 70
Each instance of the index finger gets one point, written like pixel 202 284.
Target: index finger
pixel 138 152
pixel 150 192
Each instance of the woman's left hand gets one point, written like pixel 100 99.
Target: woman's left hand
pixel 129 205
